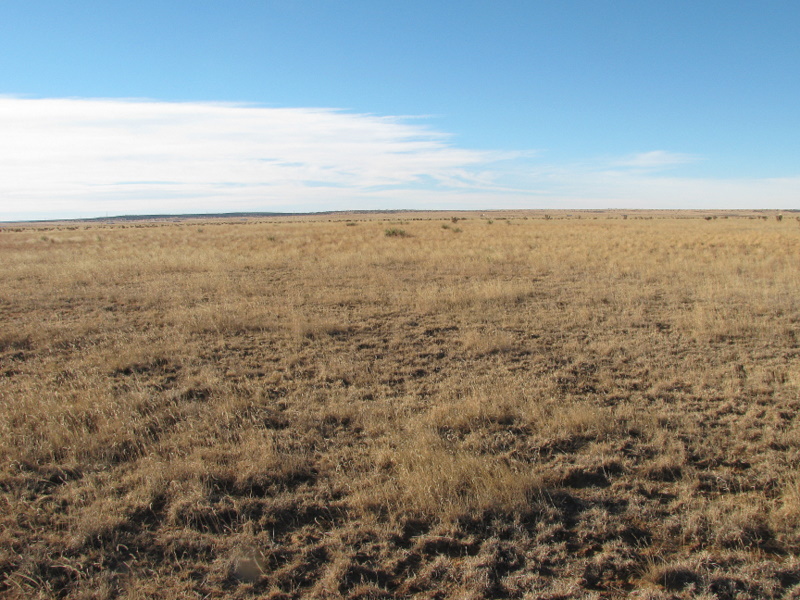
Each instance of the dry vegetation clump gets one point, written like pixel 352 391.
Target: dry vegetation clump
pixel 558 408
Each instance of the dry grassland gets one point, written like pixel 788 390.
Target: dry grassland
pixel 518 408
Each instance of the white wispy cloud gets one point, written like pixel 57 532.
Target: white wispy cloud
pixel 90 157
pixel 654 160
pixel 65 155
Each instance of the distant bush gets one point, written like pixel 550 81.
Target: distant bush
pixel 396 232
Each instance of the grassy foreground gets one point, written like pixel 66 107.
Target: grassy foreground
pixel 522 408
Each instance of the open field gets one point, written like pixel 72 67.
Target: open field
pixel 402 406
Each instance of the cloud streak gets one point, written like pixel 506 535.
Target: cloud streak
pixel 90 157
pixel 654 160
pixel 64 154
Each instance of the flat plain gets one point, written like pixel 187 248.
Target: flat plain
pixel 427 405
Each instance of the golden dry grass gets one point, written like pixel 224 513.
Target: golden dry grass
pixel 508 406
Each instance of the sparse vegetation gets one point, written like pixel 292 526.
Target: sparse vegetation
pixel 565 408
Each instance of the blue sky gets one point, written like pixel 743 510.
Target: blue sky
pixel 299 105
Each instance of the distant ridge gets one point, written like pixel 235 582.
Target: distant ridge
pixel 232 215
pixel 248 215
pixel 499 213
pixel 187 216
